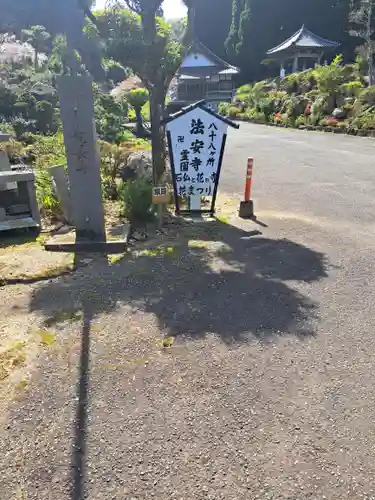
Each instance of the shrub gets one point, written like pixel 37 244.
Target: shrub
pixel 46 151
pixel 46 195
pixel 364 122
pixel 352 89
pixel 256 116
pixel 266 106
pixel 242 93
pixel 115 71
pixel 296 106
pixel 22 125
pixel 110 116
pixel 290 83
pixel 330 78
pixel 113 158
pixel 367 96
pixel 224 108
pixel 317 111
pixel 300 120
pixel 137 98
pixel 45 118
pixel 233 112
pixel 14 150
pixel 6 127
pixel 136 196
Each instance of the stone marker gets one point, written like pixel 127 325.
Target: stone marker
pixel 61 186
pixel 76 108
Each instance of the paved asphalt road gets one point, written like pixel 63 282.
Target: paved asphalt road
pixel 316 174
pixel 269 389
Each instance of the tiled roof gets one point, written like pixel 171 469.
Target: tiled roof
pixel 303 38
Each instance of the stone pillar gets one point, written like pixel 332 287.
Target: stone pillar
pixel 61 186
pixel 77 115
pixel 295 64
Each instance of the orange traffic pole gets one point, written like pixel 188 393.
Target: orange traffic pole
pixel 247 206
pixel 249 179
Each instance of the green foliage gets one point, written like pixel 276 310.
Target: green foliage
pixel 364 122
pixel 137 98
pixel 45 193
pixel 367 96
pixel 115 71
pixel 233 112
pixel 224 108
pixel 14 150
pixel 113 158
pixel 300 120
pixel 136 196
pixel 352 89
pixel 330 78
pixel 232 40
pixel 47 151
pixel 252 114
pixel 8 98
pixel 110 116
pixel 126 44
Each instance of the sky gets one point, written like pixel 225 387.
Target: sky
pixel 172 8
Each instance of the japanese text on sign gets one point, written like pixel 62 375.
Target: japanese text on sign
pixel 196 141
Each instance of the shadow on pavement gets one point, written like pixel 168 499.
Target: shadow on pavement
pixel 215 278
pixel 209 278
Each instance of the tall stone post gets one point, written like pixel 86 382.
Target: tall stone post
pixel 295 64
pixel 77 115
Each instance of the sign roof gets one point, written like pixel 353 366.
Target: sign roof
pixel 200 104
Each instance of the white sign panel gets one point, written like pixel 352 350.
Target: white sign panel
pixel 196 140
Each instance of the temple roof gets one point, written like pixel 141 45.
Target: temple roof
pixel 201 60
pixel 303 39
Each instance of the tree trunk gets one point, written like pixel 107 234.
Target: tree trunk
pixel 156 94
pixel 139 129
pixel 157 102
pixel 36 60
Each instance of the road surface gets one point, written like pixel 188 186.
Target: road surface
pixel 268 391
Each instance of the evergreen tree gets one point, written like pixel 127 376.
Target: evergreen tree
pixel 232 40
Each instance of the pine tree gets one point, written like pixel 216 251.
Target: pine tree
pixel 232 40
pixel 244 27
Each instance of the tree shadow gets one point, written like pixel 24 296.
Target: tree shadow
pixel 15 237
pixel 215 279
pixel 209 278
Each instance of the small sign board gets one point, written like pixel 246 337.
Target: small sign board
pixel 196 140
pixel 160 195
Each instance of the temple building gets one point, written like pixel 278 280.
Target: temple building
pixel 203 75
pixel 301 51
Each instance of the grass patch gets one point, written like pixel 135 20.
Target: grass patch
pixel 46 273
pixel 47 337
pixel 11 359
pixel 63 316
pixel 199 244
pixel 22 384
pixel 223 219
pixel 115 258
pixel 167 342
pixel 172 252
